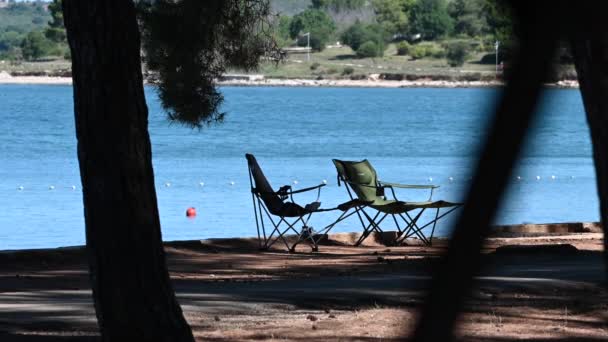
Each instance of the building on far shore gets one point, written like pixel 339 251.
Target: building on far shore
pixel 4 3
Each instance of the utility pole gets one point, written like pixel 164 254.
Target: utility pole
pixel 307 34
pixel 496 45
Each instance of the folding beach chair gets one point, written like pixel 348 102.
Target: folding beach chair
pixel 268 203
pixel 361 182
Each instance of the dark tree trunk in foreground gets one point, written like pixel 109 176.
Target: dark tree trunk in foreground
pixel 134 299
pixel 453 277
pixel 590 50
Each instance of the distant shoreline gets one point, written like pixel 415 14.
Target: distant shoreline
pixel 271 82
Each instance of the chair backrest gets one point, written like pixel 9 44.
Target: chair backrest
pixel 359 176
pixel 262 187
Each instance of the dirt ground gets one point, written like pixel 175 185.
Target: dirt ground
pixel 551 288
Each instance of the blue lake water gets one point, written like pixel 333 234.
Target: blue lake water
pixel 410 136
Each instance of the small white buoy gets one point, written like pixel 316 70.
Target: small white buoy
pixel 571 177
pixel 325 181
pixel 167 184
pixel 295 182
pixel 451 179
pixel 430 179
pixel 537 177
pixel 231 183
pixel 73 187
pixel 20 188
pixel 518 178
pixel 201 183
pixel 51 187
pixel 553 177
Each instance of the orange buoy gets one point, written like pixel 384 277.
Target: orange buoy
pixel 190 212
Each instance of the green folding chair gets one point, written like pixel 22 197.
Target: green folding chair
pixel 361 183
pixel 268 203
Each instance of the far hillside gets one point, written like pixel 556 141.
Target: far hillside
pixel 18 19
pixel 289 7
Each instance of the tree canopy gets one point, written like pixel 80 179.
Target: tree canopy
pixel 316 22
pixel 431 19
pixel 213 35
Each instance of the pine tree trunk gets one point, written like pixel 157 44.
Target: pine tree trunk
pixel 591 60
pixel 133 296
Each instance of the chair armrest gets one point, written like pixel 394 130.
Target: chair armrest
pixel 407 186
pixel 305 189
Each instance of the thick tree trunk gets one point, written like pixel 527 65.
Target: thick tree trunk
pixel 590 51
pixel 134 299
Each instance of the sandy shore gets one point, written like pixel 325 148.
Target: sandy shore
pixel 5 78
pixel 546 287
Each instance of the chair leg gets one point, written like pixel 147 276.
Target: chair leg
pixel 366 229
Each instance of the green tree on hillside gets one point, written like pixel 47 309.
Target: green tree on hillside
pixel 55 30
pixel 430 18
pixel 393 15
pixel 457 53
pixel 281 31
pixel 499 18
pixel 469 17
pixel 320 25
pixel 34 46
pixel 359 34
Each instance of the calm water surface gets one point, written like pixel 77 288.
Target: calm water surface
pixel 410 136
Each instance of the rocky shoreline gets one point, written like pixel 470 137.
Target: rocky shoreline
pixel 370 82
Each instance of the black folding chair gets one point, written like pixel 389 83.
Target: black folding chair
pixel 268 203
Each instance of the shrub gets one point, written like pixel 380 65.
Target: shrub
pixel 34 46
pixel 437 52
pixel 358 34
pixel 315 66
pixel 369 49
pixel 418 52
pixel 403 48
pixel 332 71
pixel 457 53
pixel 423 50
pixel 348 70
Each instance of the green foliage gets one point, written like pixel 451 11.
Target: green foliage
pixel 457 53
pixel 10 39
pixel 403 48
pixel 16 20
pixel 213 35
pixel 281 31
pixel 393 15
pixel 430 18
pixel 500 20
pixel 424 50
pixel 359 33
pixel 348 71
pixel 23 17
pixel 469 17
pixel 338 5
pixel 317 22
pixel 56 31
pixel 34 46
pixel 370 49
pixel 315 66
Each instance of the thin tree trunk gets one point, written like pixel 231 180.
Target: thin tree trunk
pixel 453 277
pixel 133 296
pixel 590 51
